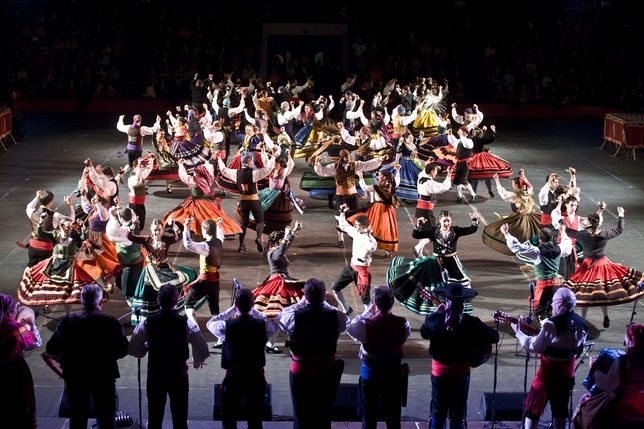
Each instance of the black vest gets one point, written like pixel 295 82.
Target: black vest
pixel 116 194
pixel 167 340
pixel 245 182
pixel 222 116
pixel 47 224
pixel 565 321
pixel 243 349
pixel 315 331
pixel 462 152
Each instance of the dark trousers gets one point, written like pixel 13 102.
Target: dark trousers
pixel 133 155
pixel 158 389
pixel 347 276
pixel 386 387
pixel 544 309
pixel 233 390
pixel 129 278
pixel 103 392
pixel 139 209
pixel 201 288
pixel 449 398
pixel 312 399
pixel 475 184
pixel 352 201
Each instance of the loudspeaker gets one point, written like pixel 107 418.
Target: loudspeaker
pixel 63 405
pixel 267 411
pixel 345 407
pixel 509 406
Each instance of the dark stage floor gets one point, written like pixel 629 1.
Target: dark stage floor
pixel 51 154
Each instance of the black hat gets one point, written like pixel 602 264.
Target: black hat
pixel 455 291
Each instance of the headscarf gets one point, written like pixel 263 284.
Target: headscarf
pixel 203 180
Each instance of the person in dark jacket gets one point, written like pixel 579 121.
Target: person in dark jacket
pixel 87 345
pixel 166 335
pixel 243 358
pixel 456 339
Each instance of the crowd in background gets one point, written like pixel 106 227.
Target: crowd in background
pixel 511 54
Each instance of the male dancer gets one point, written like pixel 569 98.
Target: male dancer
pixel 141 169
pixel 364 244
pixel 246 179
pixel 135 134
pixel 40 247
pixel 121 223
pixel 427 188
pixel 209 251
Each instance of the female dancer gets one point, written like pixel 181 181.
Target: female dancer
pixel 410 168
pixel 58 279
pixel 308 118
pixel 598 281
pixel 523 221
pixel 382 213
pixel 278 199
pixel 189 142
pixel 484 165
pixel 158 270
pixel 165 165
pixel 279 290
pixel 18 335
pixel 202 203
pixel 406 276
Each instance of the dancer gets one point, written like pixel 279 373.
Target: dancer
pixel 165 165
pixel 41 247
pixel 210 252
pixel 202 203
pixel 135 133
pixel 598 281
pixel 141 169
pixel 524 223
pixel 546 257
pixel 246 179
pixel 410 168
pixel 344 171
pixel 382 213
pixel 358 271
pixel 103 181
pixel 18 336
pixel 405 276
pixel 122 222
pixel 484 165
pixel 454 339
pixel 572 220
pixel 464 156
pixel 427 188
pixel 58 279
pixel 158 270
pixel 560 342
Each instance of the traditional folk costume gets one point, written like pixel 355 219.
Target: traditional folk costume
pixel 17 399
pixel 230 185
pixel 277 200
pixel 455 338
pixel 135 134
pixel 308 118
pixel 484 165
pixel 158 272
pixel 560 342
pixel 207 283
pixel 598 281
pixel 569 264
pixel 136 189
pixel 58 279
pixel 382 213
pixel 165 165
pixel 523 221
pixel 405 276
pixel 410 168
pixel 97 255
pixel 40 246
pixel 202 203
pixel 279 290
pixel 129 254
pixel 190 144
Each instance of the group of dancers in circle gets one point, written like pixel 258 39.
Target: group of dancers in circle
pixel 382 153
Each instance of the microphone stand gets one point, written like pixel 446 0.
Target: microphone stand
pixel 634 312
pixel 137 312
pixel 589 348
pixel 490 425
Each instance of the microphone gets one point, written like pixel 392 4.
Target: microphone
pixel 590 345
pixel 236 285
pixel 529 319
pixel 445 275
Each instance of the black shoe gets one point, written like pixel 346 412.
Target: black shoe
pixel 491 194
pixel 287 344
pixel 218 345
pixel 473 198
pixel 349 311
pixel 459 200
pixel 242 248
pixel 341 244
pixel 273 349
pixel 415 252
pixel 260 246
pixel 606 322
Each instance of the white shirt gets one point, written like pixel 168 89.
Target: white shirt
pixel 533 252
pixel 217 325
pixel 285 320
pixel 364 244
pixel 33 206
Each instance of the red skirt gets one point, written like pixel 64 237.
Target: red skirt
pixel 276 293
pixel 384 225
pixel 201 209
pixel 36 288
pixel 97 255
pixel 484 165
pixel 231 186
pixel 601 282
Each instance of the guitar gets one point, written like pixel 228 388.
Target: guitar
pixel 505 317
